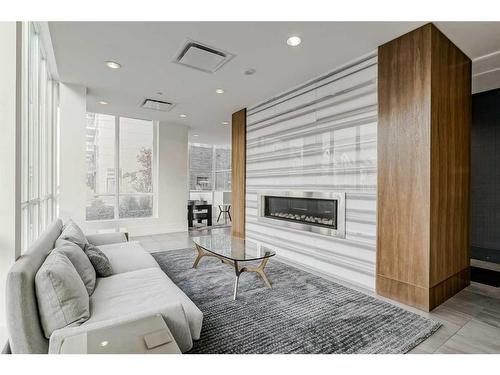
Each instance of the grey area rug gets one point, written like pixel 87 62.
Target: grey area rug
pixel 302 313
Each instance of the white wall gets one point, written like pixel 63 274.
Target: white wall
pixel 9 161
pixel 72 102
pixel 172 173
pixel 173 177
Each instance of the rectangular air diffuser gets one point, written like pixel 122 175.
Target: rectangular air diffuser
pixel 198 56
pixel 157 105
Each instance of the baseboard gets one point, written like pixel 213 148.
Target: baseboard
pixel 399 291
pixel 423 298
pixel 449 287
pixel 483 264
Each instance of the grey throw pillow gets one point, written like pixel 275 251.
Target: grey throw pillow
pixel 80 261
pixel 99 260
pixel 73 233
pixel 61 295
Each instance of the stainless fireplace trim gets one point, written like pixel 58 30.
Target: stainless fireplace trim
pixel 327 195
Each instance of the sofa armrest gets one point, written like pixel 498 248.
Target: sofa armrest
pixel 107 238
pixel 173 315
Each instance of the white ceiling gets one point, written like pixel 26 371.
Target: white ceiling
pixel 146 51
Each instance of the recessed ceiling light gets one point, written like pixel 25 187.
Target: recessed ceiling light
pixel 104 343
pixel 225 123
pixel 249 72
pixel 219 91
pixel 195 135
pixel 113 65
pixel 293 41
pixel 183 116
pixel 103 102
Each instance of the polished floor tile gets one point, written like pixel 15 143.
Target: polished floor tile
pixel 437 339
pixel 474 337
pixel 446 314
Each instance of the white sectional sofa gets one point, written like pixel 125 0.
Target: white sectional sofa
pixel 137 288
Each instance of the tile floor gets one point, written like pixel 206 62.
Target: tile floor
pixel 471 319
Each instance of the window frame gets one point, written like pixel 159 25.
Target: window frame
pixel 216 170
pixel 213 169
pixel 116 166
pixel 39 158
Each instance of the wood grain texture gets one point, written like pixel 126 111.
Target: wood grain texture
pixel 423 168
pixel 238 174
pixel 440 292
pixel 403 136
pixel 451 111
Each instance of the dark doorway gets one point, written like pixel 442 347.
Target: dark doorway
pixel 485 176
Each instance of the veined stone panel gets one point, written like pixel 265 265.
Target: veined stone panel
pixel 320 136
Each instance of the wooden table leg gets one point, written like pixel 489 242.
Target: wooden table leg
pixel 201 253
pixel 260 271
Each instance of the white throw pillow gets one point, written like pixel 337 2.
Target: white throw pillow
pixel 80 261
pixel 73 233
pixel 62 297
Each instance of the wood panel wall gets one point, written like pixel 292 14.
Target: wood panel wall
pixel 238 174
pixel 423 184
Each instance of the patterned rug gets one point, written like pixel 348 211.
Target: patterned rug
pixel 302 313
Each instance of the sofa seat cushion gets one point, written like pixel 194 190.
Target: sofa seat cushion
pixel 128 256
pixel 138 291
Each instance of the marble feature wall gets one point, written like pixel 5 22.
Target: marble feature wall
pixel 320 136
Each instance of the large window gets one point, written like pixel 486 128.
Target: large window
pixel 209 174
pixel 209 164
pixel 201 167
pixel 39 139
pixel 120 167
pixel 222 169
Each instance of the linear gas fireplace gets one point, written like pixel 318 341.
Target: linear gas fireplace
pixel 313 211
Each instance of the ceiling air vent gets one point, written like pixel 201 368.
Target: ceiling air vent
pixel 202 57
pixel 157 105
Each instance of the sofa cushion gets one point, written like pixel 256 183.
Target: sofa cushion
pixel 73 233
pixel 80 261
pixel 61 294
pixel 99 260
pixel 128 256
pixel 141 290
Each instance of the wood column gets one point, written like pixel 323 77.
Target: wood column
pixel 238 174
pixel 423 191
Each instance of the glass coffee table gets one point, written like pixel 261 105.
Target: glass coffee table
pixel 234 251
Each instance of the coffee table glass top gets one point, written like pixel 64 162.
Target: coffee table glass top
pixel 233 248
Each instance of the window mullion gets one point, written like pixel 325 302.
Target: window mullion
pixel 117 167
pixel 214 166
pixel 155 169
